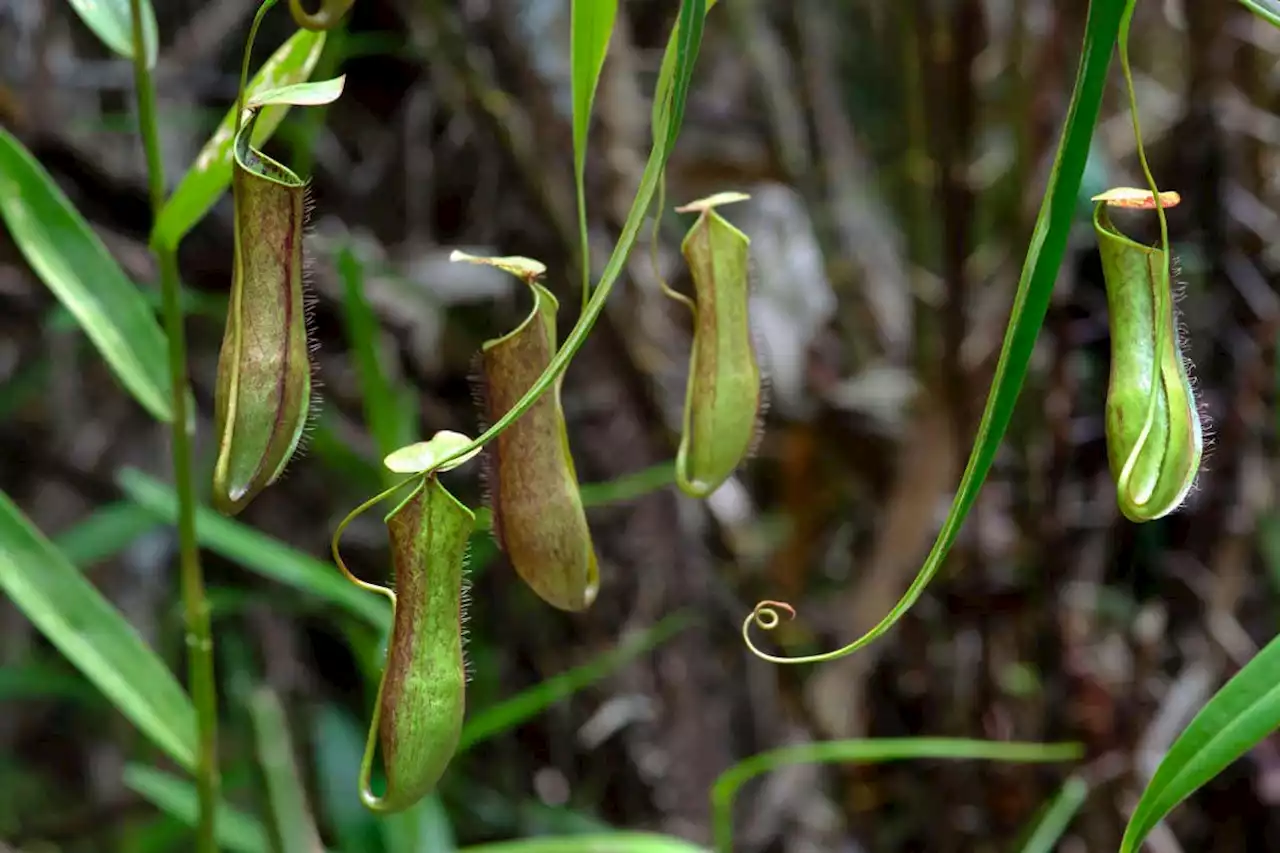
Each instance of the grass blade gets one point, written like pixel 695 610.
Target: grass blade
pixel 258 552
pixel 291 821
pixel 869 751
pixel 389 414
pixel 70 259
pixel 210 175
pixel 111 22
pixel 236 831
pixel 1241 714
pixel 590 29
pixel 336 740
pixel 608 842
pixel 506 715
pixel 93 635
pixel 629 486
pixel 1031 302
pixel 105 533
pixel 1057 817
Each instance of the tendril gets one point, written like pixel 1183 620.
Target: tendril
pixel 1162 302
pixel 351 516
pixel 765 616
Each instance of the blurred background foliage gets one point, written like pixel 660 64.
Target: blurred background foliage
pixel 895 153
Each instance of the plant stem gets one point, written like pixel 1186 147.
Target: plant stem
pixel 195 605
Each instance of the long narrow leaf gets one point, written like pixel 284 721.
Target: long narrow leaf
pixel 607 842
pixel 258 552
pixel 112 23
pixel 1030 303
pixel 291 821
pixel 70 259
pixel 1242 713
pixel 510 713
pixel 210 175
pixel 235 830
pixel 1053 823
pixel 590 28
pixel 105 533
pixel 387 410
pixel 93 635
pixel 867 752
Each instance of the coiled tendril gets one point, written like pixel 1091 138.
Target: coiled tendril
pixel 765 616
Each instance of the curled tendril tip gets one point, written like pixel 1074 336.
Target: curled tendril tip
pixel 766 616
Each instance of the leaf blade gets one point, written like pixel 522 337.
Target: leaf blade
pixel 1241 714
pixel 528 703
pixel 590 28
pixel 235 830
pixel 93 635
pixel 112 22
pixel 72 261
pixel 291 818
pixel 314 94
pixel 1057 817
pixel 870 750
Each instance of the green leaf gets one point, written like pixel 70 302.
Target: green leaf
pixel 258 552
pixel 93 635
pixel 291 821
pixel 510 713
pixel 424 456
pixel 299 94
pixel 673 81
pixel 1030 303
pixel 337 745
pixel 209 176
pixel 390 412
pixel 869 751
pixel 607 842
pixel 105 533
pixel 590 28
pixel 70 259
pixel 629 486
pixel 112 22
pixel 1053 823
pixel 235 830
pixel 1268 10
pixel 1240 715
